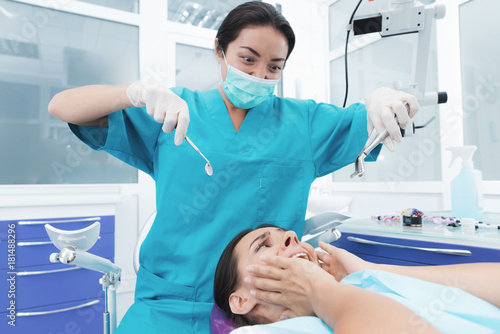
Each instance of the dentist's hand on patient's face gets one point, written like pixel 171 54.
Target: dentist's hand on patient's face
pixel 286 281
pixel 163 105
pixel 385 103
pixel 339 263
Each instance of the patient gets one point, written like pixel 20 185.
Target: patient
pixel 266 275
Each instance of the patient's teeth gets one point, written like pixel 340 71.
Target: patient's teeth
pixel 301 255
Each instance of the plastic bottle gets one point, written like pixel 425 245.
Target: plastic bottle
pixel 467 186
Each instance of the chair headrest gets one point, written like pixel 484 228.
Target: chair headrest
pixel 219 323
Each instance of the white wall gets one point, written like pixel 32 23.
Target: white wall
pixel 305 75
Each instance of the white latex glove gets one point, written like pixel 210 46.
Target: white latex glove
pixel 382 104
pixel 163 105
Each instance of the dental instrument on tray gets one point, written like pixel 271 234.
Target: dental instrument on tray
pixel 73 246
pixel 480 225
pixel 448 221
pixel 208 167
pixel 385 218
pixel 487 226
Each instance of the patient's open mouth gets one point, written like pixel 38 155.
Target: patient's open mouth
pixel 301 255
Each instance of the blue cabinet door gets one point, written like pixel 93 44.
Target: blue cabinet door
pixel 43 286
pixel 82 316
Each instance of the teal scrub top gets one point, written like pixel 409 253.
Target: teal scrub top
pixel 261 174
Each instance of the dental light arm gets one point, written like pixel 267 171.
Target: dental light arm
pixel 397 17
pixel 73 246
pixel 71 255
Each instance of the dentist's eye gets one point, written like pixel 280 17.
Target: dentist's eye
pixel 247 59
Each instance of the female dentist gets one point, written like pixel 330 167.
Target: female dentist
pixel 265 152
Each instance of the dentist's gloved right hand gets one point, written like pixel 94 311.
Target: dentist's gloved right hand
pixel 163 105
pixel 382 104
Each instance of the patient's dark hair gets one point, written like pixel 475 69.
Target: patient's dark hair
pixel 227 280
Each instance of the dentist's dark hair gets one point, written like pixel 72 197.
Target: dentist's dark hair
pixel 253 14
pixel 227 280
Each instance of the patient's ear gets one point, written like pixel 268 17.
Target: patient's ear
pixel 241 301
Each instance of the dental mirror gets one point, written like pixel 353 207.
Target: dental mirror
pixel 208 167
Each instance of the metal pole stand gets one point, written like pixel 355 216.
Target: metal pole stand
pixel 110 282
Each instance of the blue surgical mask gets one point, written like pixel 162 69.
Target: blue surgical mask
pixel 244 90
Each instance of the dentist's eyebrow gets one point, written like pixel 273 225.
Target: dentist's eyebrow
pixel 262 236
pixel 258 55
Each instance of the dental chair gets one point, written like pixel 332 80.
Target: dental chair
pixel 142 235
pixel 73 246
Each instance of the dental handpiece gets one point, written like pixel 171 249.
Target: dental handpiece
pixel 208 167
pixel 370 144
pixel 373 140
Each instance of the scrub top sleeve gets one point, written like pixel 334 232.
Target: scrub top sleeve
pixel 131 136
pixel 337 135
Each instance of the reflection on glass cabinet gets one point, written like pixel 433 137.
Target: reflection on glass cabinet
pixel 126 5
pixel 479 50
pixel 43 52
pixel 202 13
pixel 196 68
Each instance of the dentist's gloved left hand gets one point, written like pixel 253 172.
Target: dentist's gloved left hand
pixel 385 103
pixel 163 105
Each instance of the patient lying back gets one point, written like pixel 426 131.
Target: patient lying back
pixel 266 275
